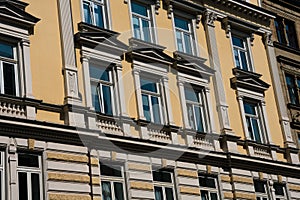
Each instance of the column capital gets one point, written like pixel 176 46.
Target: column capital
pixel 209 18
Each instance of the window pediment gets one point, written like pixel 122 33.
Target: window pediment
pixel 248 80
pixel 147 52
pixel 192 65
pixel 15 16
pixel 99 39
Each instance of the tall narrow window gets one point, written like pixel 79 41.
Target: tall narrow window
pixel 293 87
pixel 9 83
pixel 280 191
pixel 141 21
pixel 163 185
pixel 102 89
pixel 184 35
pixel 195 109
pixel 241 54
pixel 112 182
pixel 208 187
pixel 253 119
pixel 151 98
pixel 286 32
pixel 29 177
pixel 261 190
pixel 94 13
pixel 2 178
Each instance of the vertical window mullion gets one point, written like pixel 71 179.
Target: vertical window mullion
pixel 100 94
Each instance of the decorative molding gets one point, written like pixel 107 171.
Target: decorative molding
pixel 252 39
pixel 227 27
pixel 157 6
pixel 209 18
pixel 170 11
pixel 267 39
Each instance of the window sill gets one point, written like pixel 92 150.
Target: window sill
pixel 85 27
pixel 287 48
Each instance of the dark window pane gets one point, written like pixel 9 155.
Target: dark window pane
pixel 146 107
pixel 291 34
pixel 156 110
pixel 95 97
pixel 279 31
pixel 136 27
pixel 9 79
pixel 162 176
pixel 199 120
pixel 139 9
pixel 106 190
pixel 107 101
pixel 191 95
pixel 99 73
pixel 148 85
pixel 187 43
pixel 292 90
pixel 213 196
pixel 87 13
pixel 6 50
pixel 158 193
pixel 181 23
pixel 35 187
pixel 169 194
pixel 256 130
pixel 114 170
pixel 204 195
pixel 179 41
pixel 99 16
pixel 28 160
pixel 207 182
pixel 119 194
pixel 238 42
pixel 259 186
pixel 279 189
pixel 244 60
pixel 249 108
pixel 191 116
pixel 22 186
pixel 146 30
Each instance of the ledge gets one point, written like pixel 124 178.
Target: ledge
pixel 286 48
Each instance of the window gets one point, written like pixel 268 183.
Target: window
pixel 141 22
pixel 151 99
pixel 208 187
pixel 280 191
pixel 253 120
pixel 184 35
pixel 94 13
pixel 8 70
pixel 241 54
pixel 293 87
pixel 286 32
pixel 102 89
pixel 2 176
pixel 112 182
pixel 195 108
pixel 163 185
pixel 29 177
pixel 261 190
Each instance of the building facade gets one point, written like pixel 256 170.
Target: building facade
pixel 156 99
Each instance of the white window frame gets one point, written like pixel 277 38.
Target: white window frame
pixel 266 195
pixel 113 179
pixel 29 171
pixel 190 32
pixel 105 9
pixel 100 83
pixel 189 81
pixel 258 98
pixel 142 69
pixel 247 49
pixel 14 62
pixel 3 175
pixel 158 95
pixel 164 185
pixel 208 189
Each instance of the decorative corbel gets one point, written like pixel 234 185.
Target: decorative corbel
pixel 267 38
pixel 157 6
pixel 209 18
pixel 227 27
pixel 126 1
pixel 170 11
pixel 198 19
pixel 252 39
